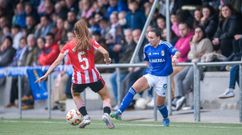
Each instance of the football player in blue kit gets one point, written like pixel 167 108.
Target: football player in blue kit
pixel 158 56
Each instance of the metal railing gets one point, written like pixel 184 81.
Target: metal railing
pixel 118 66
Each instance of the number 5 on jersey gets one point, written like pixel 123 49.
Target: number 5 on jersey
pixel 83 61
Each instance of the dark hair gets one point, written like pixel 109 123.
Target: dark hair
pixel 202 29
pixel 10 39
pixel 16 26
pixel 156 31
pixel 231 9
pixel 50 34
pixel 211 9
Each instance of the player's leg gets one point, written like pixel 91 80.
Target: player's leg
pixel 140 85
pixel 102 90
pixel 75 91
pixel 160 89
pixel 163 110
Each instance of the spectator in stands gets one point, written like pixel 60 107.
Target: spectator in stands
pixel 7 9
pixel 50 51
pixel 49 8
pixel 16 62
pixel 209 21
pixel 45 26
pixel 147 8
pixel 69 36
pixel 30 11
pixel 71 20
pixel 94 22
pixel 16 35
pixel 3 23
pixel 5 32
pixel 173 37
pixel 229 25
pixel 60 32
pixel 113 7
pixel 122 19
pixel 29 59
pixel 40 45
pixel 183 46
pixel 114 38
pixel 135 17
pixel 104 27
pixel 200 45
pixel 7 52
pixel 197 16
pixel 175 23
pixel 30 25
pixel 41 7
pixel 234 70
pixel 161 22
pixel 19 17
pixel 72 5
pixel 30 56
pixel 86 10
pixel 61 10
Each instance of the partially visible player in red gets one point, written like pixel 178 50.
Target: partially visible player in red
pixel 80 51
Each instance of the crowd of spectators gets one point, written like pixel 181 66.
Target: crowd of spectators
pixel 33 31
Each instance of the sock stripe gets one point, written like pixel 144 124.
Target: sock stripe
pixel 132 91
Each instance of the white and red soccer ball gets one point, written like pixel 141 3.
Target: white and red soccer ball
pixel 74 117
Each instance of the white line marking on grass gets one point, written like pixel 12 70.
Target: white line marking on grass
pixel 132 124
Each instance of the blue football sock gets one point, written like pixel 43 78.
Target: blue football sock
pixel 127 100
pixel 163 110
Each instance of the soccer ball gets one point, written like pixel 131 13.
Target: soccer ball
pixel 74 117
pixel 140 103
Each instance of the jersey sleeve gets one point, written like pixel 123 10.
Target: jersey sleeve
pixel 171 49
pixel 145 54
pixel 65 49
pixel 95 44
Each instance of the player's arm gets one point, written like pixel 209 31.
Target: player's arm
pixel 52 67
pixel 105 53
pixel 176 56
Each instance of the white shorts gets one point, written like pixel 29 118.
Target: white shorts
pixel 159 84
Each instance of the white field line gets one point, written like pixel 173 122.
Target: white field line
pixel 126 124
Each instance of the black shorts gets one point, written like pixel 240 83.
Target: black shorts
pixel 95 87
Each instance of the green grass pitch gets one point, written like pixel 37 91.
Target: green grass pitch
pixel 60 127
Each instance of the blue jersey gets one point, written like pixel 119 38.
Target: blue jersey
pixel 159 58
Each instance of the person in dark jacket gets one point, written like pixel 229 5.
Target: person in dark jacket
pixel 7 52
pixel 229 25
pixel 209 21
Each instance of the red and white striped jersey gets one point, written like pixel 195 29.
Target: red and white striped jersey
pixel 84 70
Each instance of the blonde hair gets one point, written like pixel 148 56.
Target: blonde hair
pixel 82 35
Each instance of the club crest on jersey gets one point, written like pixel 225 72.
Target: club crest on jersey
pixel 162 53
